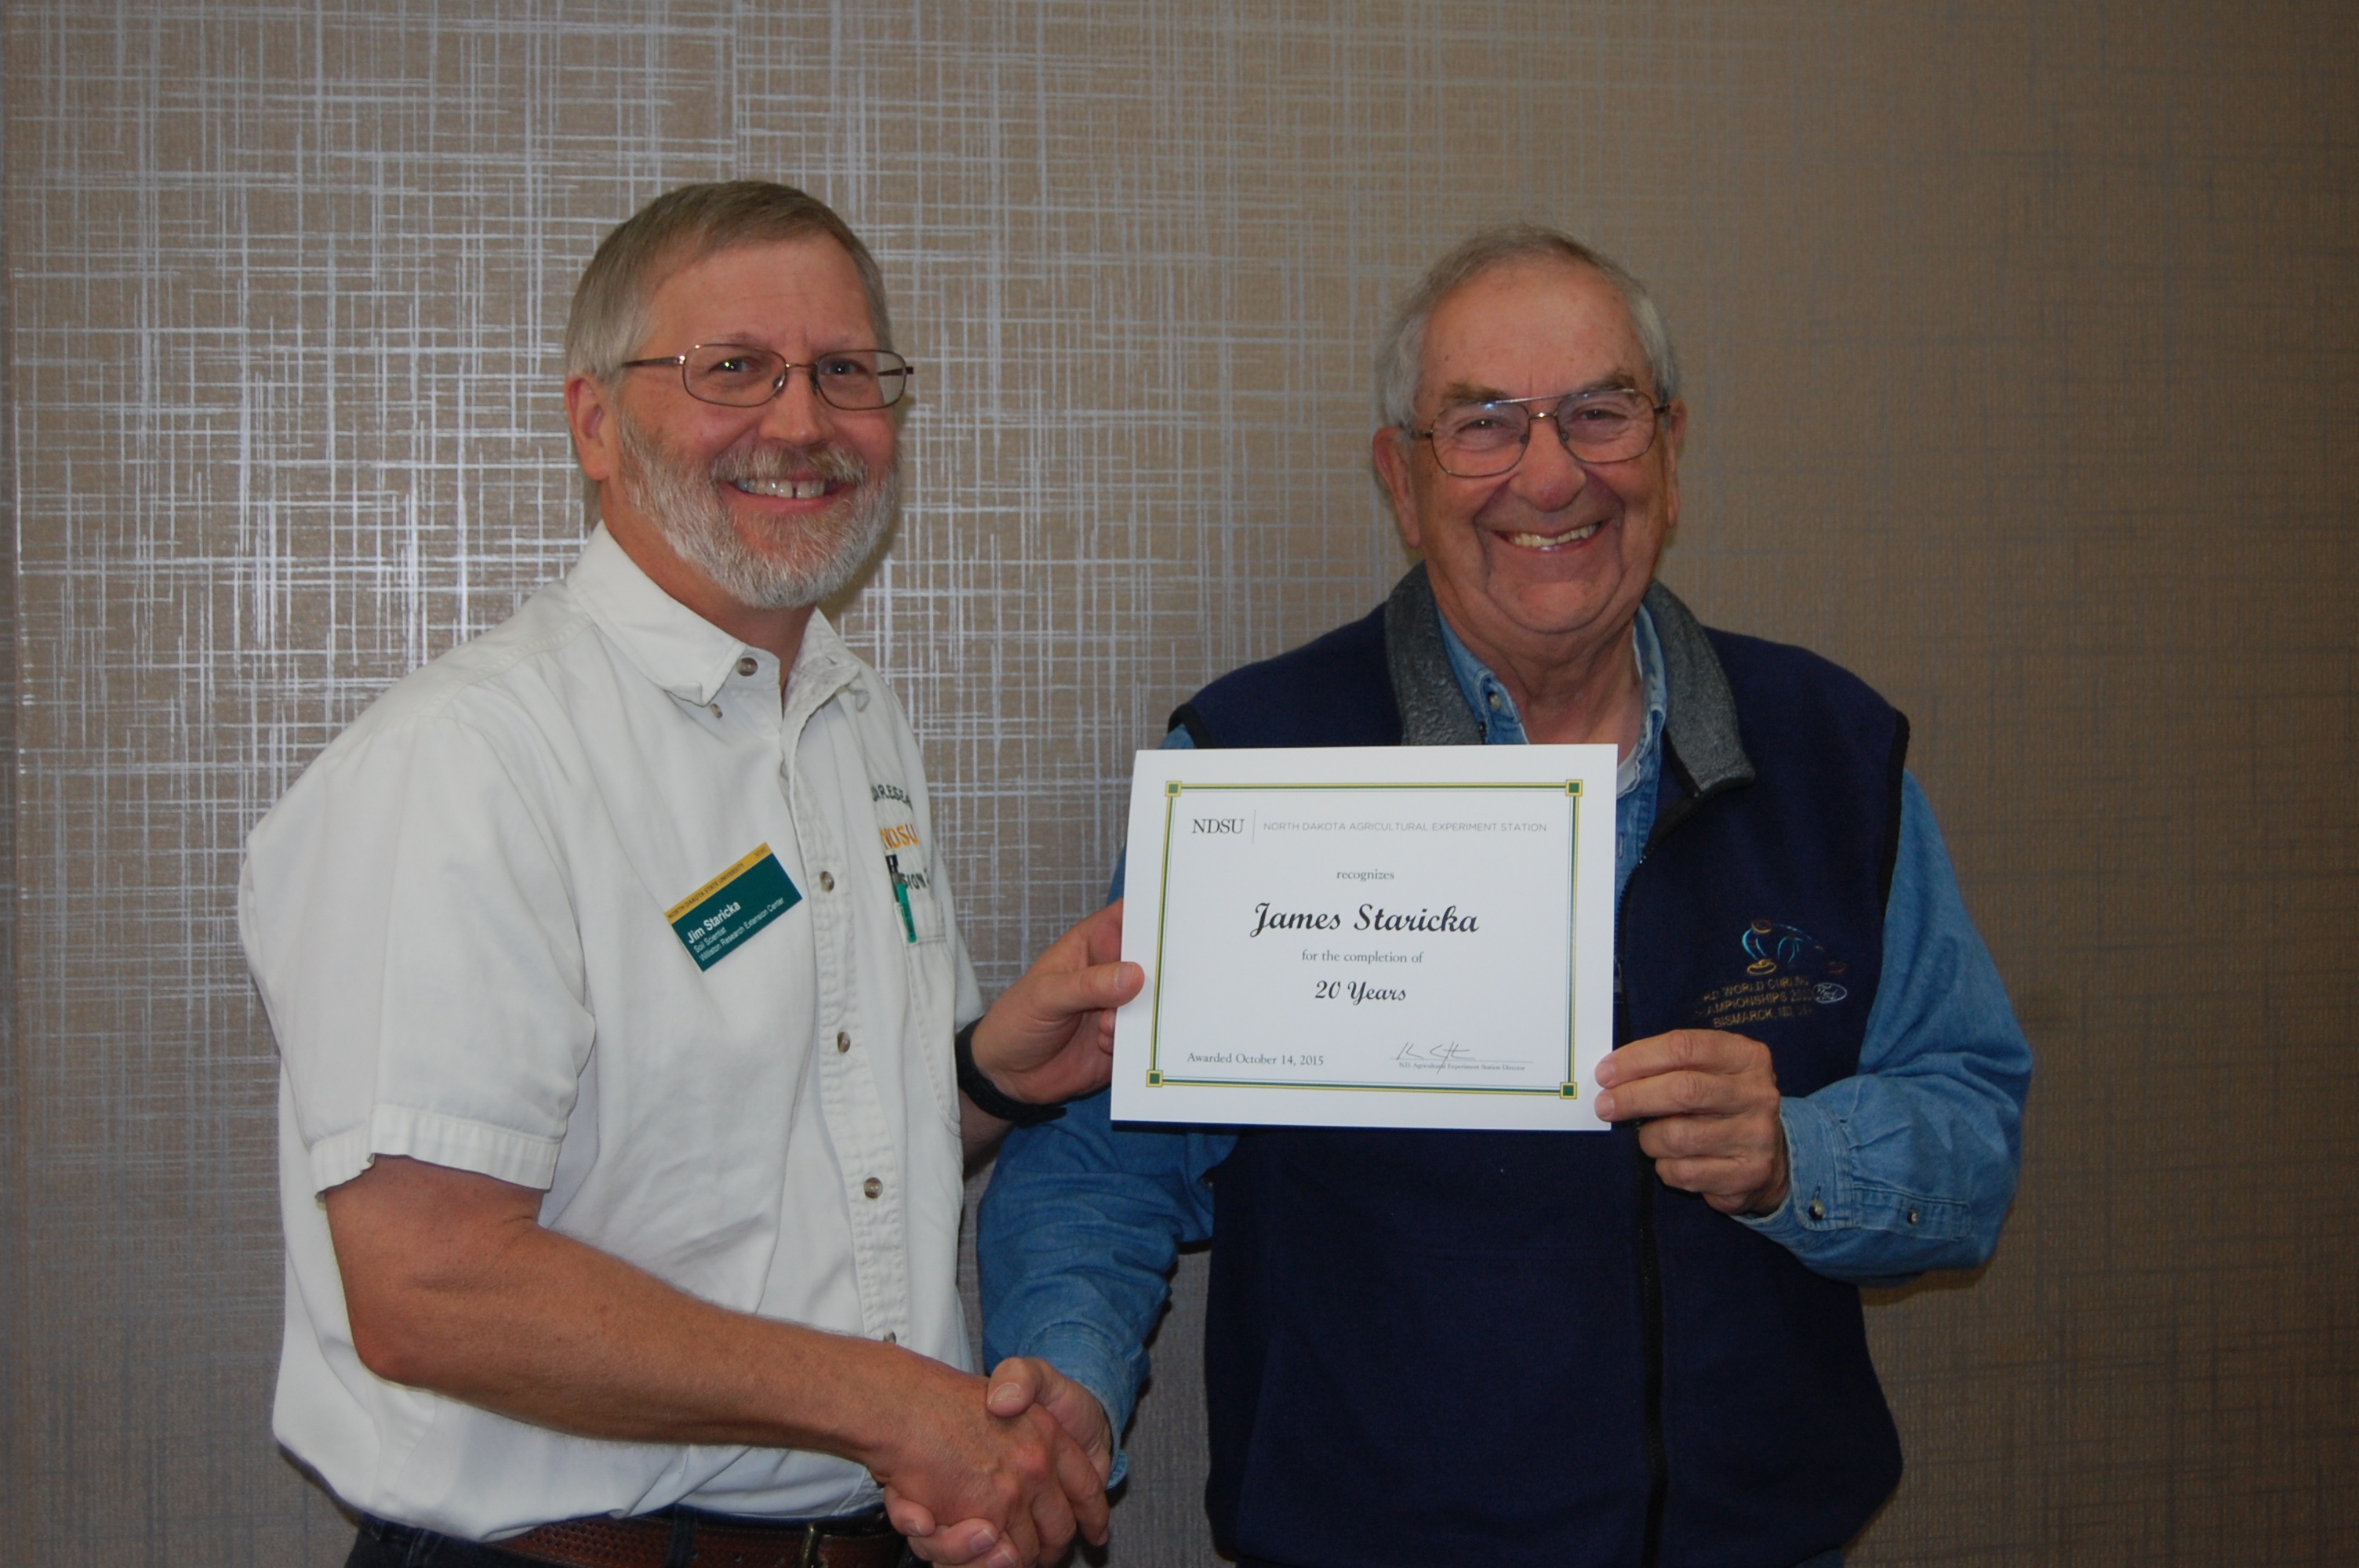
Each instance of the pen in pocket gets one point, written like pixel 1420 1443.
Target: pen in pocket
pixel 901 896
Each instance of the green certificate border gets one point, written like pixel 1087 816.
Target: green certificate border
pixel 1568 1089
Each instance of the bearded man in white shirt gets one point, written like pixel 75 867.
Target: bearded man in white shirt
pixel 616 982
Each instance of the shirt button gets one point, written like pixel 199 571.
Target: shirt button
pixel 827 881
pixel 872 1186
pixel 843 1041
pixel 747 666
pixel 1912 1217
pixel 1817 1209
pixel 1495 702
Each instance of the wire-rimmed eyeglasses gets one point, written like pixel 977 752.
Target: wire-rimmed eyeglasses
pixel 737 376
pixel 1479 441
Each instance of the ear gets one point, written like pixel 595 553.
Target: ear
pixel 1675 435
pixel 1390 448
pixel 597 439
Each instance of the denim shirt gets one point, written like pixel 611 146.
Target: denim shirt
pixel 1909 1165
pixel 1636 778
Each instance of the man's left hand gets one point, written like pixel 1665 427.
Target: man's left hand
pixel 1708 1101
pixel 1050 1036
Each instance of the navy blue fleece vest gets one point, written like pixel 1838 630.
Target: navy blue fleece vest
pixel 1446 1348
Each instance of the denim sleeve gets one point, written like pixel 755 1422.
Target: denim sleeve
pixel 1076 1240
pixel 1079 1229
pixel 1910 1164
pixel 1178 741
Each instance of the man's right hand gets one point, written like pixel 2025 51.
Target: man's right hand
pixel 451 1283
pixel 1021 1388
pixel 1001 1464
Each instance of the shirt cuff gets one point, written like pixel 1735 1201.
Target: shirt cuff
pixel 501 1152
pixel 1828 1204
pixel 1812 1162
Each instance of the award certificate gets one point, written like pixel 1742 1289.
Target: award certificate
pixel 1369 936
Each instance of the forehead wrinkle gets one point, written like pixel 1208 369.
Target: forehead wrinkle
pixel 686 256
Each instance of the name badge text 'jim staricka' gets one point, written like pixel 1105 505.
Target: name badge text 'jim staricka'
pixel 1369 936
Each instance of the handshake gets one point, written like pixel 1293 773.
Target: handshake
pixel 1003 1481
pixel 1000 1474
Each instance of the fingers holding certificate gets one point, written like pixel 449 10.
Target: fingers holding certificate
pixel 1370 937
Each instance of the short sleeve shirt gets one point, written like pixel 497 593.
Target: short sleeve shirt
pixel 477 923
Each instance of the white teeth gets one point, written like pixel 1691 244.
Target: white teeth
pixel 1542 541
pixel 784 489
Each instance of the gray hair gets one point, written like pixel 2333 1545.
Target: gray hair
pixel 1400 353
pixel 679 229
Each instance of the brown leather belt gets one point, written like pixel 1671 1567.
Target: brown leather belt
pixel 682 1540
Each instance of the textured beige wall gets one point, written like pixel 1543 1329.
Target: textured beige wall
pixel 2026 374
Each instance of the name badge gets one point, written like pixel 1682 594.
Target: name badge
pixel 711 920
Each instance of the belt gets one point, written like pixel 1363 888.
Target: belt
pixel 682 1539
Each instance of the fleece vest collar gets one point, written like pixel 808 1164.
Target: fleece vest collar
pixel 1701 729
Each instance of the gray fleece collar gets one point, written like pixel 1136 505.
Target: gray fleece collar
pixel 1433 709
pixel 1700 724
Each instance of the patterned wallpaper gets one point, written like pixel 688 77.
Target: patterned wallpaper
pixel 2025 376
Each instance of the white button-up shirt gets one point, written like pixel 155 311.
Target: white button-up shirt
pixel 460 920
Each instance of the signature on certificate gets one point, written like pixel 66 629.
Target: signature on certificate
pixel 1450 1055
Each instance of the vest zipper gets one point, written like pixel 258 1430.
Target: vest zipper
pixel 1651 1279
pixel 1650 1296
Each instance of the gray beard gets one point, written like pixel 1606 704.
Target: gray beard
pixel 816 562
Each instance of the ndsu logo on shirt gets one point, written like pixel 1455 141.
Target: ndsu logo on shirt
pixel 898 828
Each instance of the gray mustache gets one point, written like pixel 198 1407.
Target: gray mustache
pixel 778 460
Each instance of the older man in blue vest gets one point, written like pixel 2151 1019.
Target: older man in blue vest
pixel 1645 1348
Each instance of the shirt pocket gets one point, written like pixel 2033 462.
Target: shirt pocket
pixel 933 1012
pixel 925 929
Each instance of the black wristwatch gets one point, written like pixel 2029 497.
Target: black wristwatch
pixel 985 1093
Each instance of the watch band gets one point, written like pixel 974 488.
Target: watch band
pixel 986 1094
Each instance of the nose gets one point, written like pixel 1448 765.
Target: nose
pixel 1548 477
pixel 798 414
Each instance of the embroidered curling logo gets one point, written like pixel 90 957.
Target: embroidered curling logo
pixel 1788 974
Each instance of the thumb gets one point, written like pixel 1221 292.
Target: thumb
pixel 1117 982
pixel 911 1519
pixel 1015 1386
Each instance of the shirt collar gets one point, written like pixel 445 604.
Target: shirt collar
pixel 1640 764
pixel 1495 708
pixel 675 647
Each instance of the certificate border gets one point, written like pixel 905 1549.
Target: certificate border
pixel 1570 1089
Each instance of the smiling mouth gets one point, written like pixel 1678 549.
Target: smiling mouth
pixel 1550 541
pixel 808 488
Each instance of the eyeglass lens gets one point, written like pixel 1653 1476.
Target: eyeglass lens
pixel 852 379
pixel 1474 440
